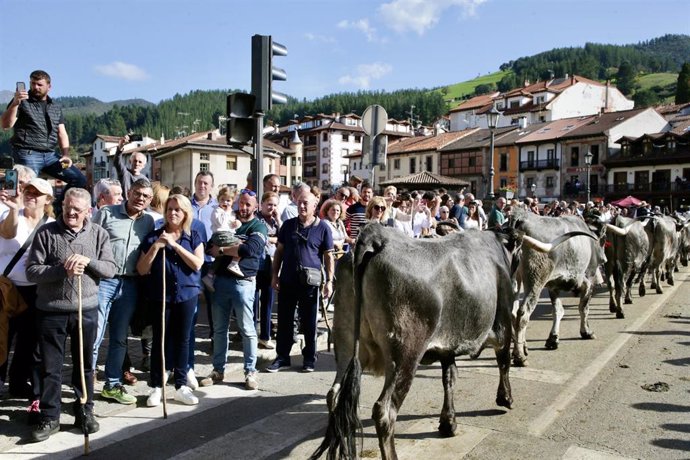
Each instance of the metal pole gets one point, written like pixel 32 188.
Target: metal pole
pixel 258 161
pixel 491 170
pixel 588 190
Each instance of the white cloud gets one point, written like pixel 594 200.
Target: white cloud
pixel 363 26
pixel 365 74
pixel 422 15
pixel 320 38
pixel 122 70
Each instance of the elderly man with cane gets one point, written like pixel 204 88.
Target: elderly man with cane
pixel 62 252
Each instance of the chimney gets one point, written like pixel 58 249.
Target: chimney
pixel 566 76
pixel 162 139
pixel 526 83
pixel 522 122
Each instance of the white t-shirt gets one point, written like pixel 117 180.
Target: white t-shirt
pixel 420 221
pixel 8 248
pixel 223 221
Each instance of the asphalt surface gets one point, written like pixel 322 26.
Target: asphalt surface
pixel 590 399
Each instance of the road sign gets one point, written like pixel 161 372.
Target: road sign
pixel 374 120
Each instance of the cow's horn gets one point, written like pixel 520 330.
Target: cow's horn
pixel 536 244
pixel 617 230
pixel 548 247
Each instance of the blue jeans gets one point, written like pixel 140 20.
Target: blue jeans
pixel 119 297
pixel 48 162
pixel 306 299
pixel 234 295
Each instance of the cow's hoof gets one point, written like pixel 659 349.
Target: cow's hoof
pixel 476 354
pixel 612 307
pixel 588 335
pixel 659 290
pixel 502 401
pixel 519 361
pixel 627 301
pixel 671 282
pixel 620 315
pixel 447 429
pixel 551 342
pixel 642 291
pixel 653 285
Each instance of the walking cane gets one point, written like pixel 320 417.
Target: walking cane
pixel 84 394
pixel 165 407
pixel 324 312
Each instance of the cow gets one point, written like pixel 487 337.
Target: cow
pixel 683 222
pixel 573 267
pixel 403 301
pixel 664 243
pixel 626 249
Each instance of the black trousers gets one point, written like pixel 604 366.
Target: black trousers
pixel 53 330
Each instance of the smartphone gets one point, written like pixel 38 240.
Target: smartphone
pixel 21 86
pixel 11 182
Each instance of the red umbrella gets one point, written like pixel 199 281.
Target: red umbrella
pixel 627 202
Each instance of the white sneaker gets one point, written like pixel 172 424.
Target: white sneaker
pixel 185 396
pixel 234 268
pixel 267 344
pixel 154 398
pixel 191 380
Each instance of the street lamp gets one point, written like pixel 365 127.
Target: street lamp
pixel 588 164
pixel 492 121
pixel 343 169
pixel 534 190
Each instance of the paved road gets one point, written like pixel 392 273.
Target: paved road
pixel 582 401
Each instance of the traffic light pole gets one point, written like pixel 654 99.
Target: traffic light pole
pixel 258 161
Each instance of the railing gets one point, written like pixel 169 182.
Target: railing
pixel 653 187
pixel 553 163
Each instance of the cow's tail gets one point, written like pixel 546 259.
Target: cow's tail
pixel 343 421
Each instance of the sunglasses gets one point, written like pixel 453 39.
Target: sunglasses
pixel 246 191
pixel 378 208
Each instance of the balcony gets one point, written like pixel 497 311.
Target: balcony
pixel 538 165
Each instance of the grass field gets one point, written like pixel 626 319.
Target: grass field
pixel 657 79
pixel 466 88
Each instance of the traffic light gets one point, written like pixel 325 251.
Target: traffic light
pixel 263 72
pixel 240 124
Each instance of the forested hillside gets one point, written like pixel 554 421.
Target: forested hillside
pixel 646 71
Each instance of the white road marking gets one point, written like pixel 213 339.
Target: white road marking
pixel 580 453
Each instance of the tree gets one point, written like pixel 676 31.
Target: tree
pixel 625 78
pixel 683 85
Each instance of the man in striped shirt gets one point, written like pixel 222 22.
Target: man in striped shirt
pixel 356 213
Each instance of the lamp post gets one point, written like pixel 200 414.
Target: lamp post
pixel 534 190
pixel 343 169
pixel 492 121
pixel 588 164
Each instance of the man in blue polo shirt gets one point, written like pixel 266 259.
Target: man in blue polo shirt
pixel 303 241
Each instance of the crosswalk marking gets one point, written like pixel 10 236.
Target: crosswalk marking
pixel 525 373
pixel 580 453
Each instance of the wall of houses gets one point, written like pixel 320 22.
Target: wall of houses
pixel 587 99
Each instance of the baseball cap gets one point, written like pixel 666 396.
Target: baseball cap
pixel 41 185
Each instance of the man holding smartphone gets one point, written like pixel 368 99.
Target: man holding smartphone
pixel 39 128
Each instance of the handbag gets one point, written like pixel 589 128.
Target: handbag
pixel 307 276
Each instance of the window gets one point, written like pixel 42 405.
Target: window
pixel 231 162
pixel 472 161
pixel 429 163
pixel 549 181
pixel 358 138
pixel 503 163
pixel 413 165
pixel 344 152
pixel 550 155
pixel 503 183
pixel 530 158
pixel 203 166
pixel 324 136
pixel 575 156
pixel 514 104
pixel 530 181
pixel 346 137
pixel 294 161
pixel 396 163
pixel 325 152
pixel 203 156
pixel 325 168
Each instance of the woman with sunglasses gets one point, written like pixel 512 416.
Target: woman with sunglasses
pixel 377 210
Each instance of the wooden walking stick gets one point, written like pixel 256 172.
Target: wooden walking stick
pixel 84 394
pixel 165 407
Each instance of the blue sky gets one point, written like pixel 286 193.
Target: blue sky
pixel 153 49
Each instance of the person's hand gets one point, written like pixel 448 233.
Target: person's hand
pixel 76 264
pixel 9 201
pixel 327 289
pixel 167 239
pixel 214 251
pixel 123 140
pixel 20 96
pixel 65 161
pixel 275 283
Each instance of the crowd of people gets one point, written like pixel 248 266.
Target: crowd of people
pixel 134 251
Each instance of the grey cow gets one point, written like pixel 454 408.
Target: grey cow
pixel 405 301
pixel 626 248
pixel 664 243
pixel 571 267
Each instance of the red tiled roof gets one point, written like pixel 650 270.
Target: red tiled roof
pixel 426 143
pixel 554 130
pixel 108 138
pixel 476 102
pixel 426 178
pixel 599 124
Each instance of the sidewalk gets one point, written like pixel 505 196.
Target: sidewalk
pixel 13 412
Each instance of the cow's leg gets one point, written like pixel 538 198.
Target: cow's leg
pixel 501 337
pixel 447 424
pixel 520 322
pixel 611 280
pixel 670 267
pixel 557 315
pixel 586 294
pixel 657 280
pixel 405 353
